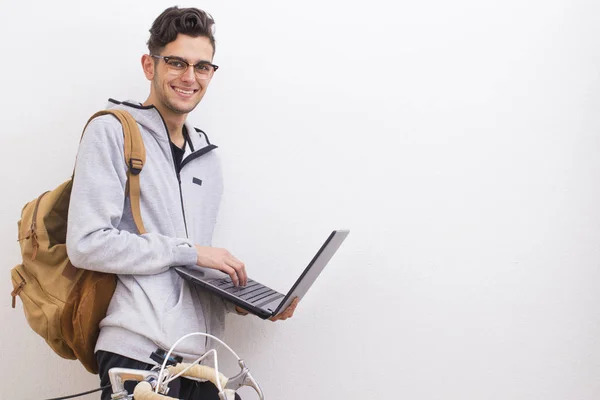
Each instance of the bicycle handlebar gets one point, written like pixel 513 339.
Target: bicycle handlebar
pixel 199 372
pixel 143 390
pixel 148 380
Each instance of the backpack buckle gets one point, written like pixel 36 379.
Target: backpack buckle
pixel 135 166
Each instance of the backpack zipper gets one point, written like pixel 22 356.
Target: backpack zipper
pixel 15 293
pixel 17 290
pixel 32 233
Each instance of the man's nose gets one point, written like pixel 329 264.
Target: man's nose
pixel 189 75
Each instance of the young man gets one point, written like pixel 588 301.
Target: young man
pixel 181 186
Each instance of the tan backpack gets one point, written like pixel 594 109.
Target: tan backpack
pixel 64 304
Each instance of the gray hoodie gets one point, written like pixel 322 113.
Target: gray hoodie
pixel 152 306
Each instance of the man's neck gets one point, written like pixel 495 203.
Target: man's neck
pixel 173 121
pixel 175 131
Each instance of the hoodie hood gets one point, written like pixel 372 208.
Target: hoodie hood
pixel 152 121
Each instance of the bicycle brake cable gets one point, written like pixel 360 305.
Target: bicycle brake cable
pixel 80 394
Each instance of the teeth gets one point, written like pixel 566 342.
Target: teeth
pixel 184 91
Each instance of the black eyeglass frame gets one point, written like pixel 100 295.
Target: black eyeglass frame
pixel 188 64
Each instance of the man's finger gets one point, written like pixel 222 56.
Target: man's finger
pixel 231 272
pixel 240 269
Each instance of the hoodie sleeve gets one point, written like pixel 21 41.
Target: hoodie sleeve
pixel 96 208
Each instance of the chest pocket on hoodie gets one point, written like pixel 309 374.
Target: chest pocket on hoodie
pixel 202 200
pixel 198 190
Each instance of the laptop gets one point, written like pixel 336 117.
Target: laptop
pixel 255 297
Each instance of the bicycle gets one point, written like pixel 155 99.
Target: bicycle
pixel 153 384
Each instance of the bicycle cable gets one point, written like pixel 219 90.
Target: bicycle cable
pixel 81 394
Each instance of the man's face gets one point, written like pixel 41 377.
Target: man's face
pixel 174 91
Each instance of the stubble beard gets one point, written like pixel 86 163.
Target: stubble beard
pixel 164 99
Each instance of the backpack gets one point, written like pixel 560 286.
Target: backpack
pixel 64 304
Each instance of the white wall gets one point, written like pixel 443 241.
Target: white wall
pixel 457 140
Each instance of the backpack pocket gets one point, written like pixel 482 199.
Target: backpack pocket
pixel 42 312
pixel 86 306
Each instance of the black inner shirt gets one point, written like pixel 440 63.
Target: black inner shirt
pixel 179 152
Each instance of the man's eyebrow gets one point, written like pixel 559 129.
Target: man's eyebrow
pixel 183 59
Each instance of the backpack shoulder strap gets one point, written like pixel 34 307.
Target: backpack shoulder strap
pixel 135 158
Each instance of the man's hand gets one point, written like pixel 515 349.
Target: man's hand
pixel 241 311
pixel 222 260
pixel 287 313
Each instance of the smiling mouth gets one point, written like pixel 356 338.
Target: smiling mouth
pixel 184 92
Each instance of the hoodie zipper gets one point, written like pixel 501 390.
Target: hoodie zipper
pixel 187 235
pixel 181 197
pixel 189 158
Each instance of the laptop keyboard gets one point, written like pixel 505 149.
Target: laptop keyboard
pixel 254 292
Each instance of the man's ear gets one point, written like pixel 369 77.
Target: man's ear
pixel 148 66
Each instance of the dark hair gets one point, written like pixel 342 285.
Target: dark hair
pixel 174 20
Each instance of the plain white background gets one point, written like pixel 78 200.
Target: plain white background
pixel 457 141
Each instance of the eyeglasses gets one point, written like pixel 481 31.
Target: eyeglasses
pixel 203 69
